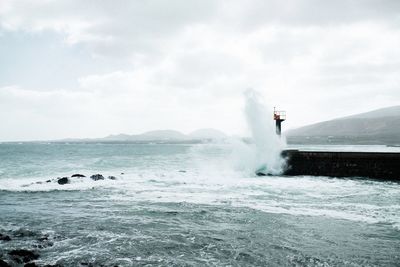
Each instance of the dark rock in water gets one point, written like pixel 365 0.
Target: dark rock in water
pixel 263 174
pixel 94 264
pixel 122 173
pixel 182 171
pixel 78 175
pixel 43 238
pixel 31 264
pixel 48 181
pixel 23 232
pixel 112 177
pixel 44 245
pixel 97 177
pixel 5 237
pixel 23 255
pixel 4 264
pixel 63 180
pixel 262 171
pixel 44 242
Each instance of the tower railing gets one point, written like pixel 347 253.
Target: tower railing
pixel 279 115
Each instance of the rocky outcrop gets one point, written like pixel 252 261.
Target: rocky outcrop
pixel 31 264
pixel 23 255
pixel 23 232
pixel 63 180
pixel 44 242
pixel 96 177
pixel 74 177
pixel 5 237
pixel 78 175
pixel 4 264
pixel 14 256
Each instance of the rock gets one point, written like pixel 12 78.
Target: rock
pixel 182 171
pixel 23 232
pixel 97 177
pixel 43 238
pixel 4 264
pixel 44 242
pixel 5 237
pixel 263 173
pixel 23 255
pixel 112 177
pixel 44 245
pixel 48 181
pixel 31 264
pixel 122 173
pixel 63 180
pixel 90 264
pixel 78 175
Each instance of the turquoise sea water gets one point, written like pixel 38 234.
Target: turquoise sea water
pixel 189 205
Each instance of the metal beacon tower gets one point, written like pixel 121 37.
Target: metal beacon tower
pixel 279 116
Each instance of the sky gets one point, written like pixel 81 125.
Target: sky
pixel 74 69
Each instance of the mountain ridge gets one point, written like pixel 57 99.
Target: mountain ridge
pixel 381 126
pixel 204 134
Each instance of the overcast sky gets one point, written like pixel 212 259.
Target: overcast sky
pixel 72 68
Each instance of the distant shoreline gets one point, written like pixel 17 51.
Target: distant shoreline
pixel 291 141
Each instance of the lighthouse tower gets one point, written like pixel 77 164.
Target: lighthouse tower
pixel 279 116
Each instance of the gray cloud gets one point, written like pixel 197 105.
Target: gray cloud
pixel 140 65
pixel 313 12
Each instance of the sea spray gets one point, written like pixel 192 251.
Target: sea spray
pixel 267 145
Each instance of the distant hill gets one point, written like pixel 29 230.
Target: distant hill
pixel 159 136
pixel 379 113
pixel 207 134
pixel 380 126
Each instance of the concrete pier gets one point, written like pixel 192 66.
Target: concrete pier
pixel 375 165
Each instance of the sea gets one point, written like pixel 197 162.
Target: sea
pixel 189 205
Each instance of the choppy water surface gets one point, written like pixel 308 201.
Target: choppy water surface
pixel 188 205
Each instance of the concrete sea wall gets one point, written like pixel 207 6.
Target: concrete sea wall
pixel 376 165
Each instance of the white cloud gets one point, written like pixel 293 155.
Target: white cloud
pixel 189 62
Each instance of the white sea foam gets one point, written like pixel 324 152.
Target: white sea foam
pixel 299 196
pixel 265 152
pixel 40 184
pixel 354 200
pixel 203 175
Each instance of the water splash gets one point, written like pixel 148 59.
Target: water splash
pixel 267 144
